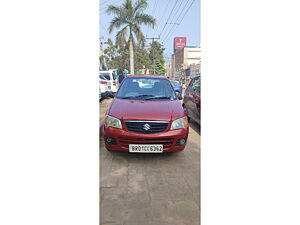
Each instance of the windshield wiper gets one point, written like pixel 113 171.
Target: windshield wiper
pixel 162 97
pixel 141 96
pixel 137 96
pixel 126 97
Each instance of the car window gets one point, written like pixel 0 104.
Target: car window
pixel 105 75
pixel 199 87
pixel 174 82
pixel 190 85
pixel 146 89
pixel 195 86
pixel 102 77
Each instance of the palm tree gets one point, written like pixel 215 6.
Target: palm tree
pixel 130 16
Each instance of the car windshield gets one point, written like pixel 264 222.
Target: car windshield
pixel 105 75
pixel 146 89
pixel 102 77
pixel 174 82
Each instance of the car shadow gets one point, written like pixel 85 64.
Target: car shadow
pixel 195 126
pixel 137 155
pixel 142 158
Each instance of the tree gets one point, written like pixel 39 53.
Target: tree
pixel 130 17
pixel 119 58
pixel 121 61
pixel 142 59
pixel 110 51
pixel 156 56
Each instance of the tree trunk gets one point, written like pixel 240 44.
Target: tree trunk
pixel 131 57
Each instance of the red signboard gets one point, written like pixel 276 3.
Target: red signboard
pixel 179 43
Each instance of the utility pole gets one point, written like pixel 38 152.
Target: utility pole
pixel 102 62
pixel 153 38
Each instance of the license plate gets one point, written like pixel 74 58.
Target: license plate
pixel 146 148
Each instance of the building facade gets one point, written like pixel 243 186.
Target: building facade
pixel 186 63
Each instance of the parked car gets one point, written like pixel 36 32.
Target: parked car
pixel 104 86
pixel 146 116
pixel 177 87
pixel 100 95
pixel 111 77
pixel 192 100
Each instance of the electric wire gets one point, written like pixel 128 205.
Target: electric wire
pixel 153 13
pixel 103 12
pixel 176 22
pixel 104 2
pixel 175 13
pixel 163 15
pixel 180 20
pixel 168 17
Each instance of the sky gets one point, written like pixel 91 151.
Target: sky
pixel 186 13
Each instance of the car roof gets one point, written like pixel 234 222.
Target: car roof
pixel 147 76
pixel 102 72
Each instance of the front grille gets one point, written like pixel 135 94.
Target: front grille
pixel 166 142
pixel 146 127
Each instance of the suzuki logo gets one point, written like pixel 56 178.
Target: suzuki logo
pixel 146 126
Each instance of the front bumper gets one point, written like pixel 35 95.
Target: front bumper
pixel 123 138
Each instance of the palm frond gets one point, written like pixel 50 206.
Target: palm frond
pixel 129 11
pixel 121 37
pixel 145 19
pixel 140 38
pixel 111 9
pixel 116 23
pixel 140 5
pixel 127 4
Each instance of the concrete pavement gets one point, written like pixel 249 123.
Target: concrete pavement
pixel 151 189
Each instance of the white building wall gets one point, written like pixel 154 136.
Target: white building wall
pixel 193 61
pixel 194 54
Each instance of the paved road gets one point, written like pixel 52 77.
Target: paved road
pixel 151 189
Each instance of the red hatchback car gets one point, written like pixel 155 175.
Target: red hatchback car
pixel 192 100
pixel 146 116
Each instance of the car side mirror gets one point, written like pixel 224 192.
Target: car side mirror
pixel 179 95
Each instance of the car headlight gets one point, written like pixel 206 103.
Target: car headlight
pixel 180 123
pixel 112 122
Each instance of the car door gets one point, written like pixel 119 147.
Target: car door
pixel 104 82
pixel 196 102
pixel 188 102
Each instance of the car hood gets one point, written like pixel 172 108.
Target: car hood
pixel 146 109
